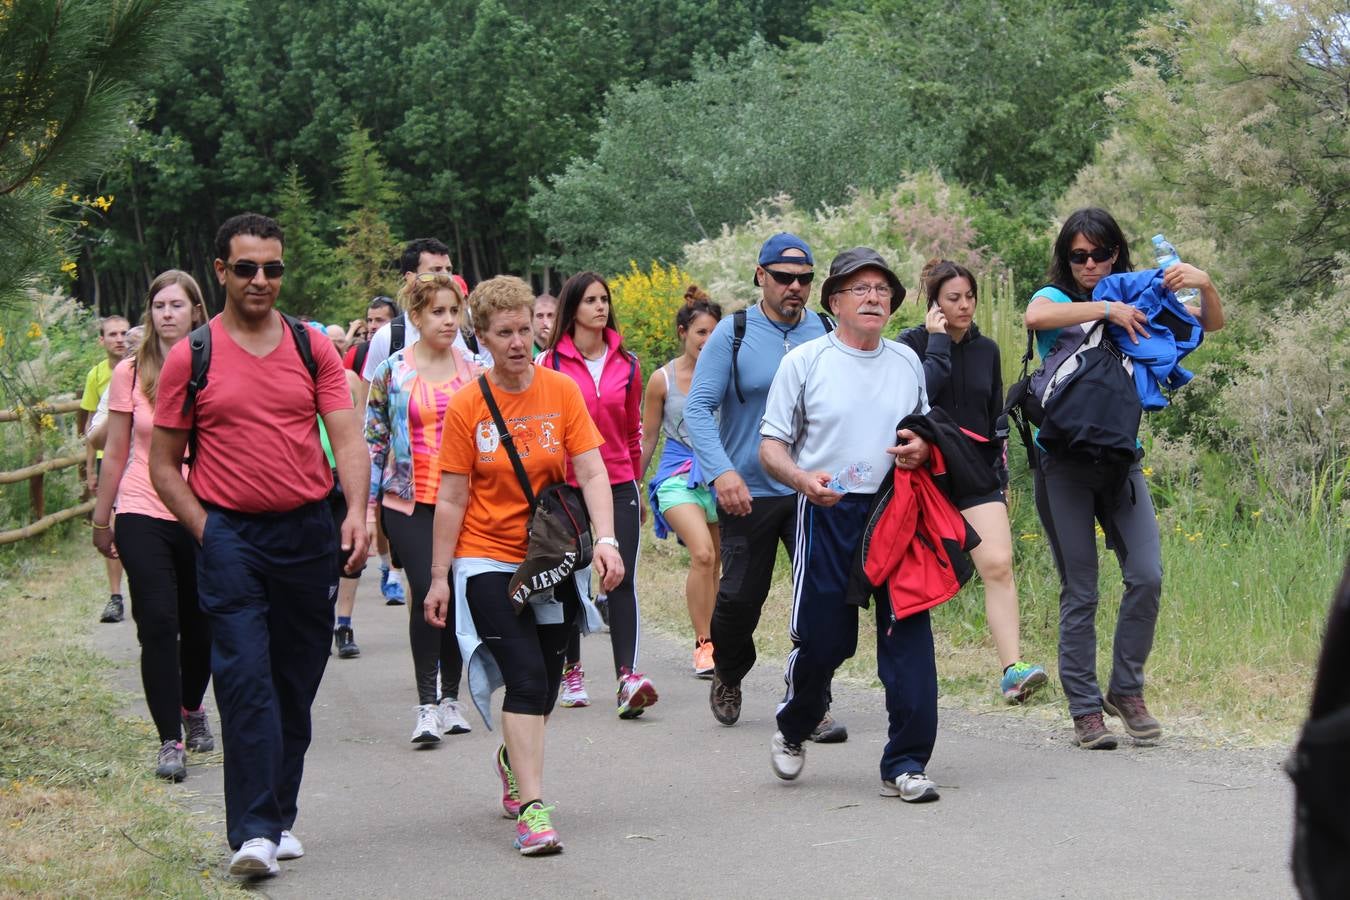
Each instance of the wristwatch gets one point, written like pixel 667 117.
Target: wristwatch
pixel 612 542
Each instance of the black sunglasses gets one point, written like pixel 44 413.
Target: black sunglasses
pixel 246 269
pixel 786 278
pixel 1101 254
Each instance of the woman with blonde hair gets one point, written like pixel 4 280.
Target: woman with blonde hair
pixel 159 555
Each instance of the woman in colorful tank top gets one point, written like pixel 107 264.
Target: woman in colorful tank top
pixel 681 501
pixel 405 416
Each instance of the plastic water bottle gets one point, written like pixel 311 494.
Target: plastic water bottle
pixel 851 477
pixel 1166 255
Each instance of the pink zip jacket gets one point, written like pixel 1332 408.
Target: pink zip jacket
pixel 616 408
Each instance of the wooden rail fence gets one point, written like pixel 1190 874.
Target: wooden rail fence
pixel 35 474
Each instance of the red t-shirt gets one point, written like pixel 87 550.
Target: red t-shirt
pixel 258 446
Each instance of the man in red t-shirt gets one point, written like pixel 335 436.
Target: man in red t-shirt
pixel 255 500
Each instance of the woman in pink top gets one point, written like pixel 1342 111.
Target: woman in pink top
pixel 586 346
pixel 160 556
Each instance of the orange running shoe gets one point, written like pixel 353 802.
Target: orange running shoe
pixel 703 659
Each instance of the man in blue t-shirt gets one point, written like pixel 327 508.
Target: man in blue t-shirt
pixel 758 512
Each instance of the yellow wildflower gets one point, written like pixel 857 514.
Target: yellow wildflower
pixel 2 339
pixel 34 331
pixel 60 190
pixel 102 202
pixel 1148 471
pixel 1256 515
pixel 1029 536
pixel 47 422
pixel 70 268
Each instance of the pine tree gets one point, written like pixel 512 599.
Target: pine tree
pixel 368 246
pixel 313 284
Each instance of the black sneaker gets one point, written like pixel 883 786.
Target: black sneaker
pixel 829 731
pixel 346 642
pixel 112 610
pixel 725 701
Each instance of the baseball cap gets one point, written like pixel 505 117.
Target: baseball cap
pixel 775 247
pixel 850 261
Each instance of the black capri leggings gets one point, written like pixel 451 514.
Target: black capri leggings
pixel 530 655
pixel 430 645
pixel 160 558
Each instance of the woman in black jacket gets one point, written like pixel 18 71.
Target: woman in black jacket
pixel 962 369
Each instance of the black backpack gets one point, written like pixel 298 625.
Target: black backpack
pixel 398 327
pixel 738 338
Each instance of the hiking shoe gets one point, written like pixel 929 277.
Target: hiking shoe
pixel 786 758
pixel 1020 681
pixel 534 831
pixel 1089 732
pixel 428 727
pixel 636 692
pixel 1132 712
pixel 198 729
pixel 510 791
pixel 574 687
pixel 829 731
pixel 290 847
pixel 256 859
pixel 112 610
pixel 452 717
pixel 911 787
pixel 703 659
pixel 171 763
pixel 391 587
pixel 725 701
pixel 345 639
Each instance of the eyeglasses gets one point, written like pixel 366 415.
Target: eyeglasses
pixel 1101 254
pixel 247 268
pixel 862 290
pixel 786 278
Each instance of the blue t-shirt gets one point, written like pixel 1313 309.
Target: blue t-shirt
pixel 734 442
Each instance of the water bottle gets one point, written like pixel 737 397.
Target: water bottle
pixel 1166 255
pixel 850 477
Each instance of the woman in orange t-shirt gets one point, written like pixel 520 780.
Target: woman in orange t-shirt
pixel 405 417
pixel 481 520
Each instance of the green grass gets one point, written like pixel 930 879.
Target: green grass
pixel 81 814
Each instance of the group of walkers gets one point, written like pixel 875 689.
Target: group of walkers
pixel 235 461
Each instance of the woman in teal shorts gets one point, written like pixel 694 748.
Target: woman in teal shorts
pixel 680 499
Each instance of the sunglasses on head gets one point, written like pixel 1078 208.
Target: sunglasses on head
pixel 246 269
pixel 786 278
pixel 1101 255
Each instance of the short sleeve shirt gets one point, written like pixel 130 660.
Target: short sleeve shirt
pixel 258 448
pixel 549 424
pixel 135 494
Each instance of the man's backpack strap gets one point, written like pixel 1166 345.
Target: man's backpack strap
pixel 397 332
pixel 737 338
pixel 300 333
pixel 470 341
pixel 827 322
pixel 199 342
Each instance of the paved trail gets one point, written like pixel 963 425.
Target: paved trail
pixel 675 805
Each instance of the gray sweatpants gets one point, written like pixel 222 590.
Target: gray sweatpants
pixel 1069 495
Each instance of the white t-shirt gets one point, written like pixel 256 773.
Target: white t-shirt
pixel 596 367
pixel 378 351
pixel 834 405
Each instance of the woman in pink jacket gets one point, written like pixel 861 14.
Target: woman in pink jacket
pixel 587 347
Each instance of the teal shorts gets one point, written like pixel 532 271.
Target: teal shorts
pixel 676 490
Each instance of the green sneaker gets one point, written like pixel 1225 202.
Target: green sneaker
pixel 1020 681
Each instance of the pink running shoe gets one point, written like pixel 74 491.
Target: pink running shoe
pixel 534 831
pixel 574 687
pixel 510 792
pixel 636 693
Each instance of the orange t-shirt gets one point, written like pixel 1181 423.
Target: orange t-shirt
pixel 549 424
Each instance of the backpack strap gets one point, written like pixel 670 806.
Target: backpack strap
pixel 737 338
pixel 506 439
pixel 300 334
pixel 470 341
pixel 199 342
pixel 397 332
pixel 826 321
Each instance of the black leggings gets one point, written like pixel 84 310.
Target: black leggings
pixel 430 645
pixel 160 560
pixel 530 655
pixel 624 622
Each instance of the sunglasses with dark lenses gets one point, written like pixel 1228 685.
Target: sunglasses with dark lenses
pixel 786 278
pixel 246 269
pixel 1101 255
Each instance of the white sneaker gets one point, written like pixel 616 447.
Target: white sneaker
pixel 911 787
pixel 452 717
pixel 290 847
pixel 256 859
pixel 428 727
pixel 574 687
pixel 787 759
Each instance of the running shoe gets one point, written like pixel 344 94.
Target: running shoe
pixel 725 701
pixel 345 639
pixel 1020 681
pixel 829 731
pixel 198 729
pixel 786 757
pixel 391 587
pixel 289 847
pixel 428 727
pixel 1131 711
pixel 574 687
pixel 534 831
pixel 911 787
pixel 635 693
pixel 112 610
pixel 703 659
pixel 256 859
pixel 510 791
pixel 452 717
pixel 171 763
